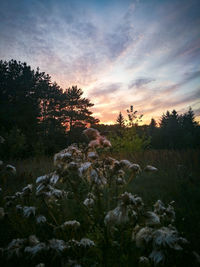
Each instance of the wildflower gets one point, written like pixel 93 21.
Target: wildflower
pixel 73 166
pixel 18 194
pixel 41 179
pixel 116 167
pixel 152 219
pixel 150 168
pixel 15 247
pixel 57 245
pixel 92 155
pixel 11 169
pixel 157 256
pixel 90 195
pixel 40 189
pixel 120 181
pixel 88 202
pixel 91 133
pixel 27 190
pixel 84 168
pixel 2 213
pixel 54 178
pixel 159 207
pixel 109 161
pixel 34 250
pixel 170 213
pixel 120 215
pixel 144 262
pixel 124 163
pixel 62 157
pixel 70 224
pixel 143 237
pixel 57 193
pixel 86 243
pixel 128 198
pixel 104 142
pixel 94 143
pixel 33 240
pixel 135 168
pixel 7 198
pixel 41 219
pixel 96 179
pixel 28 211
pixel 166 237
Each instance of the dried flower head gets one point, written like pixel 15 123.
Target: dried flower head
pixel 150 168
pixel 41 219
pixel 144 262
pixel 143 237
pixel 91 133
pixel 11 169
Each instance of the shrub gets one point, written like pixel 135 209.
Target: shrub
pixel 127 140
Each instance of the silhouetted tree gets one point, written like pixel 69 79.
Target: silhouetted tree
pixel 29 104
pixel 19 105
pixel 120 120
pixel 179 131
pixel 133 118
pixel 76 108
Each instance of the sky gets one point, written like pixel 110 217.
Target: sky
pixel 144 53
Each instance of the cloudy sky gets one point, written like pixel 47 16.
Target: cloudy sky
pixel 144 53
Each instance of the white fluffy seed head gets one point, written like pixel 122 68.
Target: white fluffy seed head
pixel 91 133
pixel 150 168
pixel 11 169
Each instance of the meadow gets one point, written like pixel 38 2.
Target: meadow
pixel 177 179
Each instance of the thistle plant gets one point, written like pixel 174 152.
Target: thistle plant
pixel 82 214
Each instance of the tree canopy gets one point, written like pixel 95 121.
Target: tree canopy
pixel 39 109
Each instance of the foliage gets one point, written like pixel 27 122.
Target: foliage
pixel 82 214
pixel 175 131
pixel 120 120
pixel 133 118
pixel 126 137
pixel 15 144
pixel 39 109
pixel 127 140
pixel 76 108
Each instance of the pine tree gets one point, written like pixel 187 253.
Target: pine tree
pixel 76 108
pixel 120 120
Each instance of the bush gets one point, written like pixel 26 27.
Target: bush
pixel 127 140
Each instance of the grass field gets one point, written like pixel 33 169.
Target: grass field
pixel 178 179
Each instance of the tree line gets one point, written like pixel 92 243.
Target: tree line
pixel 175 131
pixel 171 131
pixel 38 117
pixel 35 112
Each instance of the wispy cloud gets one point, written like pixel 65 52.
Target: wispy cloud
pixel 140 82
pixel 144 53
